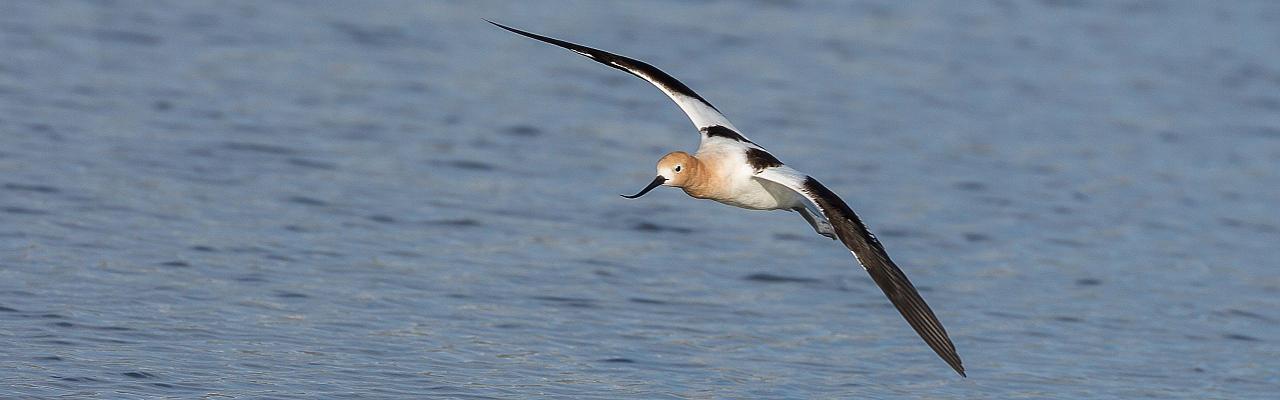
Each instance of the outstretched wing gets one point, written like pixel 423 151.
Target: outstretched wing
pixel 868 251
pixel 709 121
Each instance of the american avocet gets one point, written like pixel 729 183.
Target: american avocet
pixel 731 169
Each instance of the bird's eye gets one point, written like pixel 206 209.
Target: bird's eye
pixel 677 168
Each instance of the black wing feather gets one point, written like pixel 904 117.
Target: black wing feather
pixel 710 121
pixel 629 65
pixel 871 254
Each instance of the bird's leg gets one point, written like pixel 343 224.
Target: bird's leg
pixel 819 224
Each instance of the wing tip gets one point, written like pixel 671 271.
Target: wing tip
pixel 955 363
pixel 939 341
pixel 508 28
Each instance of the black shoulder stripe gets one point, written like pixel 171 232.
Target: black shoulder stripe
pixel 724 132
pixel 632 66
pixel 760 159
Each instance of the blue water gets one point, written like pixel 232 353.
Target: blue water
pixel 301 199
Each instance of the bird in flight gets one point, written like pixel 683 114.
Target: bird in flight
pixel 731 169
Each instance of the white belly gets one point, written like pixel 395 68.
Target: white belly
pixel 757 194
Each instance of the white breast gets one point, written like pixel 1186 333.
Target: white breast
pixel 757 194
pixel 740 188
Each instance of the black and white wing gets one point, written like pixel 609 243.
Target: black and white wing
pixel 709 121
pixel 868 251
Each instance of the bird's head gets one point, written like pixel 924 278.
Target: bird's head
pixel 673 170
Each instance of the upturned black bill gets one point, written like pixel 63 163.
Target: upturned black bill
pixel 656 182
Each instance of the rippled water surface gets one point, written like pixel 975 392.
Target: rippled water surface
pixel 396 200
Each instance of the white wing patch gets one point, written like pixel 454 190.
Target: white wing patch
pixel 786 176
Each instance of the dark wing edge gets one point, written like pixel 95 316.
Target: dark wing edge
pixel 871 254
pixel 632 66
pixel 704 115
